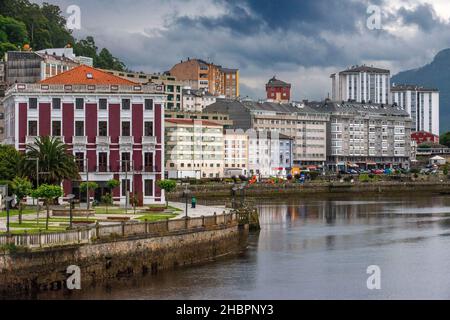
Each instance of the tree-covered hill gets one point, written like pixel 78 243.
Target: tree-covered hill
pixel 23 22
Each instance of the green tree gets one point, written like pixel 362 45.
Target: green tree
pixel 445 139
pixel 13 34
pixel 54 159
pixel 112 184
pixel 48 193
pixel 88 187
pixel 168 186
pixel 107 199
pixel 21 187
pixel 10 162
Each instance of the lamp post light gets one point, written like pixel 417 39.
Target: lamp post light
pixel 186 194
pixel 71 198
pixel 7 201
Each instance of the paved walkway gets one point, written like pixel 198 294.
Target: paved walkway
pixel 199 210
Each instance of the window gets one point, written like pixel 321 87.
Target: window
pixel 126 104
pixel 148 104
pixel 103 104
pixel 102 128
pixel 32 128
pixel 126 132
pixel 148 188
pixel 79 159
pixel 56 103
pixel 32 103
pixel 148 129
pixel 125 187
pixel 79 128
pixel 126 165
pixel 79 103
pixel 56 128
pixel 148 162
pixel 102 162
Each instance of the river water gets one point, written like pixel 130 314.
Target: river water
pixel 319 248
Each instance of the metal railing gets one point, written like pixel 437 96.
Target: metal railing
pixel 123 230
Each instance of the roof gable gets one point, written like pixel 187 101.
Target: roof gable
pixel 85 75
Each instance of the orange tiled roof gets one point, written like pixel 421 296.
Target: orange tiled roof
pixel 86 75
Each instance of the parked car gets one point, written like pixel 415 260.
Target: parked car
pixel 378 171
pixel 352 171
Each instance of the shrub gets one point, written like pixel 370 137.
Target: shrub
pixel 364 178
pixel 314 175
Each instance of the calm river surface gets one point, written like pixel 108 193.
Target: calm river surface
pixel 319 249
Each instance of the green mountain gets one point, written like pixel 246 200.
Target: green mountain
pixel 435 75
pixel 23 22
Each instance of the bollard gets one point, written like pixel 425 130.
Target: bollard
pixel 123 229
pixel 215 219
pixel 146 226
pixel 97 230
pixel 203 221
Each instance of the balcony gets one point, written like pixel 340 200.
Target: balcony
pixel 30 140
pixel 149 141
pixel 103 140
pixel 125 140
pixel 79 140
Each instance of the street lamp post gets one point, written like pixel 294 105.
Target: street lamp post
pixel 7 201
pixel 71 198
pixel 186 194
pixel 127 192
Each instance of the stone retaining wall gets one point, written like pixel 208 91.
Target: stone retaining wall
pixel 26 273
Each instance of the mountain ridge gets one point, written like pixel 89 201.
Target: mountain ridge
pixel 435 74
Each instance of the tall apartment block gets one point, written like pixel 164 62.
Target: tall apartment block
pixel 306 126
pixel 173 87
pixel 199 74
pixel 113 127
pixel 366 135
pixel 194 149
pixel 361 84
pixel 421 103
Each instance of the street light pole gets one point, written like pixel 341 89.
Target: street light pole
pixel 87 185
pixel 70 197
pixel 7 201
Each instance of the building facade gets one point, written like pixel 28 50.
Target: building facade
pixel 196 100
pixel 113 127
pixel 421 137
pixel 367 136
pixel 32 67
pixel 173 88
pixel 306 126
pixel 220 118
pixel 68 53
pixel 235 153
pixel 421 103
pixel 201 75
pixel 194 149
pixel 278 91
pixel 361 84
pixel 269 154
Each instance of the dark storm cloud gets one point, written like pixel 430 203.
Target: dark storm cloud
pixel 423 16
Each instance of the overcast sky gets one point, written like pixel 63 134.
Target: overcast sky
pixel 299 41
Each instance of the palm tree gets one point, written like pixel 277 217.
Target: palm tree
pixel 54 159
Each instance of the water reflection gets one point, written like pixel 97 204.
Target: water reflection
pixel 319 248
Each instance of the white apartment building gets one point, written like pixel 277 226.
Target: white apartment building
pixel 422 104
pixel 194 149
pixel 269 154
pixel 362 84
pixel 235 153
pixel 196 100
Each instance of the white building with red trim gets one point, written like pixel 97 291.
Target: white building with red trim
pixel 114 127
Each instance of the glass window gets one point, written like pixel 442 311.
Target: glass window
pixel 56 103
pixel 126 132
pixel 148 188
pixel 126 103
pixel 32 103
pixel 79 128
pixel 32 128
pixel 148 129
pixel 103 104
pixel 148 161
pixel 79 103
pixel 125 187
pixel 102 162
pixel 148 104
pixel 56 128
pixel 102 128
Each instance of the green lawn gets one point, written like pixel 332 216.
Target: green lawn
pixel 16 212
